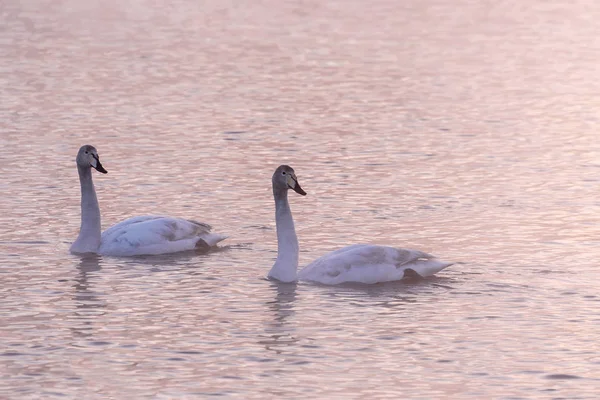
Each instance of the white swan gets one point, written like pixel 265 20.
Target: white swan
pixel 144 235
pixel 360 263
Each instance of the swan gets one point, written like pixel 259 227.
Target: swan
pixel 359 263
pixel 143 235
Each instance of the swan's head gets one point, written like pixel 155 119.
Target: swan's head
pixel 284 178
pixel 88 157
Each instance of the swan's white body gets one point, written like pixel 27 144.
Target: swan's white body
pixel 144 235
pixel 359 263
pixel 367 263
pixel 151 235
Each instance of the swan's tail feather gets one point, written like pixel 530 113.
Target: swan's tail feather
pixel 212 239
pixel 426 267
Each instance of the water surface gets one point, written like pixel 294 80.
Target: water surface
pixel 465 129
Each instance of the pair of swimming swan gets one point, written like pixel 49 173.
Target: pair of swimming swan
pixel 151 235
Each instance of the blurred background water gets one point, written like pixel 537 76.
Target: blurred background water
pixel 467 129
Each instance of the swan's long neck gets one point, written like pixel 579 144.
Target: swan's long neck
pixel 286 264
pixel 90 232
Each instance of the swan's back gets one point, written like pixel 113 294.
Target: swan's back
pixel 363 263
pixel 151 234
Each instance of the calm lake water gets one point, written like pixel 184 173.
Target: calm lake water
pixel 468 129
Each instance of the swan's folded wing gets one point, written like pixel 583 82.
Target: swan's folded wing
pixel 370 264
pixel 156 235
pixel 121 226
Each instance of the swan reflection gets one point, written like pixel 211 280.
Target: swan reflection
pixel 279 330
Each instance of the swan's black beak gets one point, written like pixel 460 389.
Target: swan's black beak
pixel 98 165
pixel 297 188
pixel 100 168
